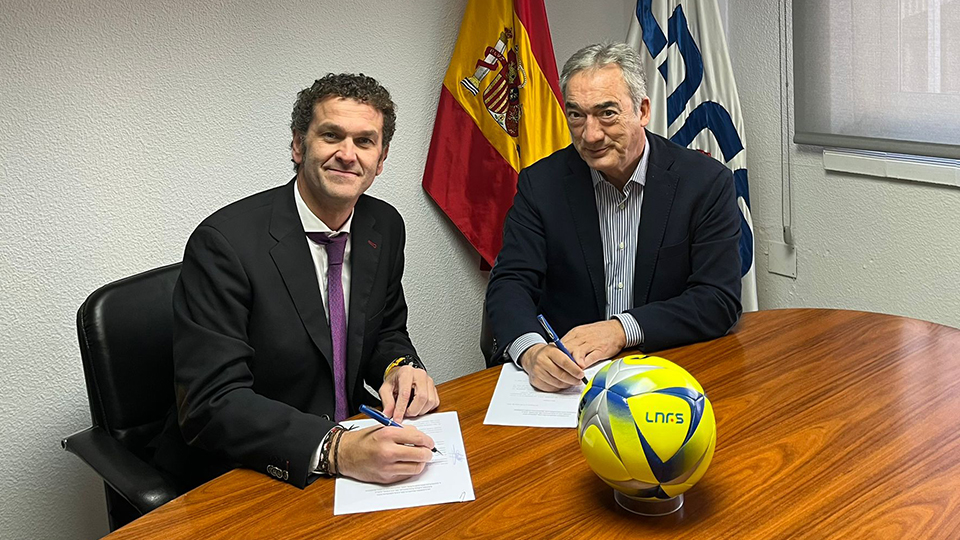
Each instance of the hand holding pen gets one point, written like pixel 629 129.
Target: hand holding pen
pixel 550 369
pixel 389 422
pixel 556 341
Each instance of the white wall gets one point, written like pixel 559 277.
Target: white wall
pixel 122 125
pixel 864 243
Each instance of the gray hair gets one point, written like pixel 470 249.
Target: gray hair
pixel 603 54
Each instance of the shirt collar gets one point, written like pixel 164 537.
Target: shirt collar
pixel 309 220
pixel 639 174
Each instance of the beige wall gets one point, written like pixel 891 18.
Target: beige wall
pixel 863 242
pixel 123 124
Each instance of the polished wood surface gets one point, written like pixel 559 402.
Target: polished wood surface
pixel 831 424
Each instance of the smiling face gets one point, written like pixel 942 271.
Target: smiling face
pixel 607 131
pixel 339 155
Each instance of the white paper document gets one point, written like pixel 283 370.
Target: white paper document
pixel 516 403
pixel 445 479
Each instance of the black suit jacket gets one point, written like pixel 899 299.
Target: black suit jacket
pixel 253 358
pixel 687 273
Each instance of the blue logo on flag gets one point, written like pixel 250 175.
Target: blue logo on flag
pixel 707 115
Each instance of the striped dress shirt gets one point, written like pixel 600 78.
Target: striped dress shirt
pixel 619 214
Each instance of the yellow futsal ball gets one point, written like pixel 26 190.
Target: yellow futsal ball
pixel 646 427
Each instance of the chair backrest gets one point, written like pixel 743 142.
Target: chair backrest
pixel 486 337
pixel 126 343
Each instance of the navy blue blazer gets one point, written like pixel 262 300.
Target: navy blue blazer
pixel 687 274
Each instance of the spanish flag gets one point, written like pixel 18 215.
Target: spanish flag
pixel 500 111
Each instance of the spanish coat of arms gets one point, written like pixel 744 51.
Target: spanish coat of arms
pixel 501 96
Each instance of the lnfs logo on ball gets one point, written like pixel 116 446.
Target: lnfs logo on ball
pixel 665 418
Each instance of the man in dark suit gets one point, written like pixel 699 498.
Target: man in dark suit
pixel 289 302
pixel 622 239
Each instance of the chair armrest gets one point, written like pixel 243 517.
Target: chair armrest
pixel 140 484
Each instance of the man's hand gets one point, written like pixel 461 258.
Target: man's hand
pixel 549 369
pixel 590 343
pixel 382 454
pixel 403 382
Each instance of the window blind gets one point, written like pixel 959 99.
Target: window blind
pixel 878 75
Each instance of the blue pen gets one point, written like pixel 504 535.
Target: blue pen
pixel 556 341
pixel 389 422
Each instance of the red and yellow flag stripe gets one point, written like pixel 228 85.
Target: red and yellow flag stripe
pixel 499 112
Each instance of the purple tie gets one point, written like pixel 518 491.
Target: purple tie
pixel 338 316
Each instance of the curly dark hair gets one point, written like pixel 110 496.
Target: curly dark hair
pixel 345 85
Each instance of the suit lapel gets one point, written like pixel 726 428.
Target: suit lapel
pixel 365 248
pixel 292 257
pixel 586 219
pixel 658 195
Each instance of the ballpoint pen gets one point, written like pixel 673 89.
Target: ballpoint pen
pixel 389 422
pixel 556 341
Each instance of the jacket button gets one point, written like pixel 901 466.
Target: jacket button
pixel 325 416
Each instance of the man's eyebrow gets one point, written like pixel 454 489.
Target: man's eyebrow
pixel 598 107
pixel 339 130
pixel 330 126
pixel 370 134
pixel 606 105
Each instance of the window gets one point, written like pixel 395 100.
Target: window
pixel 878 75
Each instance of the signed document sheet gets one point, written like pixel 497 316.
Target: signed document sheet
pixel 445 479
pixel 516 403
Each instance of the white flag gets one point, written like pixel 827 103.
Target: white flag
pixel 693 97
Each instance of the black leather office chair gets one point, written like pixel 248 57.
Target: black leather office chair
pixel 126 344
pixel 487 343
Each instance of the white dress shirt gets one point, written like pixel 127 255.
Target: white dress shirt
pixel 311 223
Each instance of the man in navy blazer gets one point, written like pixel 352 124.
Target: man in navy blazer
pixel 623 239
pixel 273 345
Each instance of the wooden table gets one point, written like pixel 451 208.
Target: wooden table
pixel 831 424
